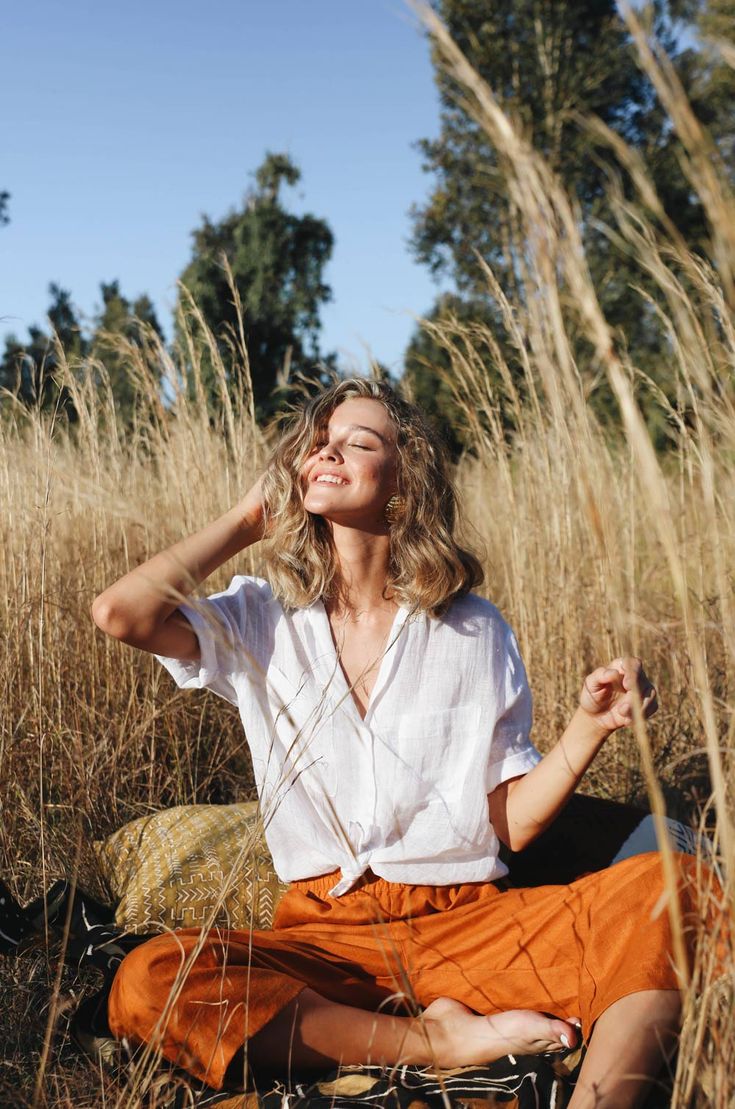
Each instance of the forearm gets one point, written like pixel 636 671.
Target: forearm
pixel 537 798
pixel 145 597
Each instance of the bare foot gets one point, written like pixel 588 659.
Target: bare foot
pixel 461 1037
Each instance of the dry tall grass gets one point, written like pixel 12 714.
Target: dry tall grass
pixel 594 546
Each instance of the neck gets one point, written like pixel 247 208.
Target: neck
pixel 363 560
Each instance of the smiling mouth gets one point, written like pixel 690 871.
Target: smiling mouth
pixel 327 479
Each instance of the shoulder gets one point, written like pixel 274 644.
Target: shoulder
pixel 481 624
pixel 472 627
pixel 245 593
pixel 473 614
pixel 250 586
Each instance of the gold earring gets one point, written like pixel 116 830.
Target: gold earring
pixel 394 509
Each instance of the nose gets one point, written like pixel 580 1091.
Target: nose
pixel 328 451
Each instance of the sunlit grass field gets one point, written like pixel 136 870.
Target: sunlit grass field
pixel 594 545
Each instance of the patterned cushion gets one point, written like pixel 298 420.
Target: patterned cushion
pixel 191 866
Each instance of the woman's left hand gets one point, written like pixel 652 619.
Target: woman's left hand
pixel 608 693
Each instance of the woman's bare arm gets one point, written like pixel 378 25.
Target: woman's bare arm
pixel 521 808
pixel 140 608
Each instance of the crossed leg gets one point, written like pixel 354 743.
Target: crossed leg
pixel 631 1041
pixel 316 991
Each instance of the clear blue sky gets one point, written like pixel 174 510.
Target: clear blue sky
pixel 122 123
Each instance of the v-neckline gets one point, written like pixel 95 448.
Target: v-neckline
pixel 336 670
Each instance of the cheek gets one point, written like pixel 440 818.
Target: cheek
pixel 307 467
pixel 302 482
pixel 379 480
pixel 374 473
pixel 387 473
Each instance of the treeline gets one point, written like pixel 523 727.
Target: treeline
pixel 266 257
pixel 565 70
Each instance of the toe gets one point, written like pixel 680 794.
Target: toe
pixel 565 1033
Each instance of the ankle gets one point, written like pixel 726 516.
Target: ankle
pixel 427 1043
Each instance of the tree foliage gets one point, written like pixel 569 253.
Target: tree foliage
pixel 711 76
pixel 121 319
pixel 428 365
pixel 30 369
pixel 551 62
pixel 545 61
pixel 277 261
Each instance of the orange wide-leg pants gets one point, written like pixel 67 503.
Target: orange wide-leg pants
pixel 566 950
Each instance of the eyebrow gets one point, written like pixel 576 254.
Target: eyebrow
pixel 363 427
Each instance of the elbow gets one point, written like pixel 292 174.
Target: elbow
pixel 522 836
pixel 518 842
pixel 110 620
pixel 514 841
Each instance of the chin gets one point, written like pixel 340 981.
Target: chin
pixel 317 505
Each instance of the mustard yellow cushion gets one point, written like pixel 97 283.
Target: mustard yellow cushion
pixel 192 866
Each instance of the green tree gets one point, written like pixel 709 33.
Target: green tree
pixel 277 261
pixel 548 61
pixel 711 78
pixel 118 324
pixel 544 61
pixel 428 366
pixel 30 369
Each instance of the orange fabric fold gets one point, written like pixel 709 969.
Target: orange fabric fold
pixel 568 950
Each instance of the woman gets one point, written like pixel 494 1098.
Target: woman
pixel 387 712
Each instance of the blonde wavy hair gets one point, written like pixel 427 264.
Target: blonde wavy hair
pixel 428 569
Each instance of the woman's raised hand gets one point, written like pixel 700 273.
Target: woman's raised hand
pixel 609 693
pixel 252 510
pixel 139 608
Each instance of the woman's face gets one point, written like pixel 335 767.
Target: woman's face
pixel 350 475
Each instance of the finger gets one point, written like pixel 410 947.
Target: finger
pixel 644 689
pixel 592 681
pixel 650 706
pixel 648 703
pixel 603 677
pixel 632 673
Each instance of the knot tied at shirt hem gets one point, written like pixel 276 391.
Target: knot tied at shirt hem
pixel 351 875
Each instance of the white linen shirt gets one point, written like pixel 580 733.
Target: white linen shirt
pixel 404 791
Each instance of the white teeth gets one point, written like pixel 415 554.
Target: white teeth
pixel 332 480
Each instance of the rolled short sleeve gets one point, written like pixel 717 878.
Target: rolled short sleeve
pixel 511 750
pixel 233 630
